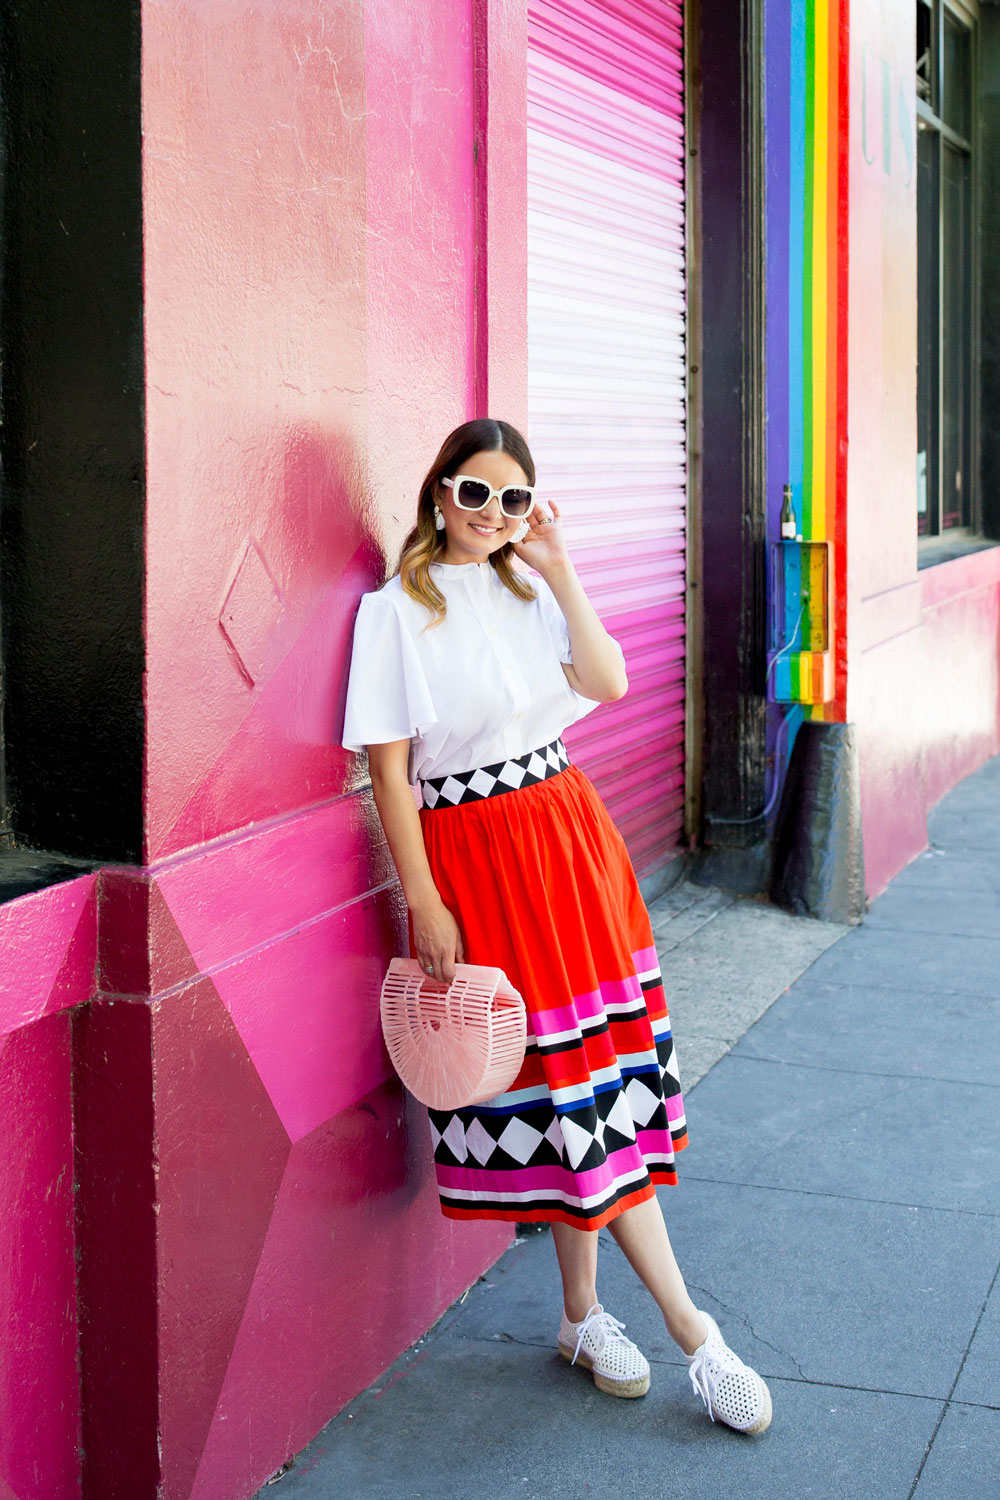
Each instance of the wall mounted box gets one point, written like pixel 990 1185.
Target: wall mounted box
pixel 801 657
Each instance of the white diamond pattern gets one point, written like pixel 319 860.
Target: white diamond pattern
pixel 480 1143
pixel 620 1118
pixel 554 1136
pixel 642 1101
pixel 520 1140
pixel 578 1141
pixel 454 1139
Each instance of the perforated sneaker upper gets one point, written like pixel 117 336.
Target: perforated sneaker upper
pixel 600 1336
pixel 729 1388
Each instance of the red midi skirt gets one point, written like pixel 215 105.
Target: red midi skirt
pixel 541 885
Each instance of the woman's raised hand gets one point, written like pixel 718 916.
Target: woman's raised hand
pixel 545 545
pixel 438 941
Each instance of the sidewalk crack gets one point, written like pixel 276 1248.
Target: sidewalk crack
pixel 958 1375
pixel 784 1062
pixel 741 1317
pixel 771 1187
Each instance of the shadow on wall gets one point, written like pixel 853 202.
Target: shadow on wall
pixel 286 620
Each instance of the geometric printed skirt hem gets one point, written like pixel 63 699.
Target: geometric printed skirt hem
pixel 539 879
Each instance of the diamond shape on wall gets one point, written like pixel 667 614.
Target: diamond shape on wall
pixel 251 611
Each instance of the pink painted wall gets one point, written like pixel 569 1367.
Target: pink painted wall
pixel 222 1219
pixel 314 219
pixel 923 682
pixel 48 942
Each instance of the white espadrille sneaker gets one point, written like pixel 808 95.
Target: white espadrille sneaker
pixel 598 1344
pixel 733 1392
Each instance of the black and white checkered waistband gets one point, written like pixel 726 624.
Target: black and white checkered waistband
pixel 490 781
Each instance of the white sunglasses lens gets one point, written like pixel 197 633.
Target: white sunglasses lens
pixel 516 502
pixel 472 494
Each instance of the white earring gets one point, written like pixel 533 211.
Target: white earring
pixel 438 518
pixel 521 532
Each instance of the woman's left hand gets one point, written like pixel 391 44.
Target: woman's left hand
pixel 545 545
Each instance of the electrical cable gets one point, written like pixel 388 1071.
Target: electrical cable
pixel 782 729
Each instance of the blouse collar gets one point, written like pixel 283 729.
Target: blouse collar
pixel 445 570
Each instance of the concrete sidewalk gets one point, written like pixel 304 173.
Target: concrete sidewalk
pixel 838 1212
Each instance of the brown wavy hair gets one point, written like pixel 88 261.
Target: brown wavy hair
pixel 424 544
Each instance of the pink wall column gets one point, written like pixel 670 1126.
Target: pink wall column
pixel 500 40
pixel 922 645
pixel 312 333
pixel 48 942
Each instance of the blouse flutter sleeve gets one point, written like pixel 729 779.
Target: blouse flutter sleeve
pixel 387 693
pixel 556 622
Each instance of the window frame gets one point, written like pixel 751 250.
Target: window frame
pixel 928 118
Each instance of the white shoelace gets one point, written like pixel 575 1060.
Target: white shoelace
pixel 707 1369
pixel 704 1377
pixel 602 1320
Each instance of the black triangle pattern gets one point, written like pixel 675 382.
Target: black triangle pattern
pixel 507 1142
pixel 491 781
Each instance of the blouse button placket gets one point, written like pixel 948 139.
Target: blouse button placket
pixel 513 676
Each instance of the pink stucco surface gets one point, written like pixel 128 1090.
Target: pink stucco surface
pixel 259 511
pixel 928 704
pixel 923 683
pixel 39 1383
pixel 48 942
pixel 314 327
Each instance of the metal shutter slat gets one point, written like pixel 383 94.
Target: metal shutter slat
pixel 606 381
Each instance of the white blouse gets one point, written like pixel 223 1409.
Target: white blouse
pixel 482 686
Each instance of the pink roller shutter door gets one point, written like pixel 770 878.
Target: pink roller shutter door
pixel 606 305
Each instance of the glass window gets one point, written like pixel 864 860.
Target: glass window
pixel 956 76
pixel 927 335
pixel 956 372
pixel 945 264
pixel 925 51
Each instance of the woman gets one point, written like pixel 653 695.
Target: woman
pixel 465 672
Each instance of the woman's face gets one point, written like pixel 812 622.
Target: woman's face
pixel 471 535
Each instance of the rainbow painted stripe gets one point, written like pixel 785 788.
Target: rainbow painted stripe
pixel 807 235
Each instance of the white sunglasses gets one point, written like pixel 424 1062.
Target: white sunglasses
pixel 516 500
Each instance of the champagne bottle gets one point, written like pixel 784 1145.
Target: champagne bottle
pixel 787 514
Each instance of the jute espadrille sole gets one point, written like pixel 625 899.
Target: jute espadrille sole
pixel 627 1388
pixel 764 1420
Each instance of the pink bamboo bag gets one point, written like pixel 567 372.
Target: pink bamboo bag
pixel 453 1044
